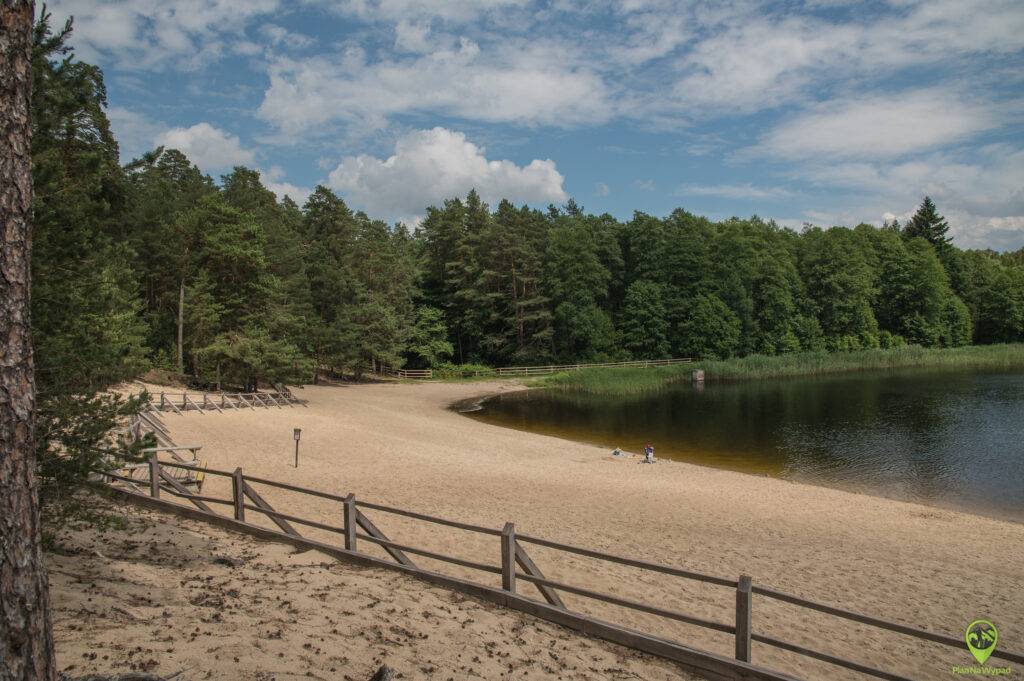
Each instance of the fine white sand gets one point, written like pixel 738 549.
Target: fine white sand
pixel 189 599
pixel 398 444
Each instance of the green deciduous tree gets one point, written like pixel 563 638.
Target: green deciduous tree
pixel 428 339
pixel 645 325
pixel 709 329
pixel 840 286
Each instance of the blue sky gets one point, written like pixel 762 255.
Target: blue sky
pixel 822 111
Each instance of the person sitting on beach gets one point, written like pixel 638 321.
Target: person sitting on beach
pixel 648 453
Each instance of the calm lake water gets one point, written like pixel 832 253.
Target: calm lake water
pixel 951 439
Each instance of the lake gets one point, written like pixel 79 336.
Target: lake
pixel 953 439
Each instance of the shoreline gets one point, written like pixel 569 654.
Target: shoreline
pixel 837 485
pixel 400 445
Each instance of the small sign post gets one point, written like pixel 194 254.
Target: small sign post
pixel 297 434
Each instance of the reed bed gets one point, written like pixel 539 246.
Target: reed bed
pixel 614 381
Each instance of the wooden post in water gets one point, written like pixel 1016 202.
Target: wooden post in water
pixel 744 605
pixel 350 522
pixel 238 493
pixel 698 375
pixel 508 558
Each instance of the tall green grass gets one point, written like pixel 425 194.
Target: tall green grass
pixel 622 381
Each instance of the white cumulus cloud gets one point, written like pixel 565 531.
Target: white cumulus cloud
pixel 527 83
pixel 733 191
pixel 429 166
pixel 273 179
pixel 446 10
pixel 880 126
pixel 982 196
pixel 156 34
pixel 210 148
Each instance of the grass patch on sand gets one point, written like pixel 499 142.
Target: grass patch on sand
pixel 621 381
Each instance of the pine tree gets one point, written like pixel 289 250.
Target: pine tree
pixel 26 636
pixel 86 318
pixel 329 229
pixel 163 186
pixel 929 225
pixel 512 260
pixel 577 283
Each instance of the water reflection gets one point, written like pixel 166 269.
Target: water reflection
pixel 945 438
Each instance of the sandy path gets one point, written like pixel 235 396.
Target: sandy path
pixel 190 599
pixel 398 444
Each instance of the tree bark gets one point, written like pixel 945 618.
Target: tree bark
pixel 25 633
pixel 181 326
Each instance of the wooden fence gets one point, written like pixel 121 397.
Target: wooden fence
pixel 516 566
pixel 149 421
pixel 412 373
pixel 180 403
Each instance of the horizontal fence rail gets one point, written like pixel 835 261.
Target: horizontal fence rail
pixel 516 565
pixel 180 403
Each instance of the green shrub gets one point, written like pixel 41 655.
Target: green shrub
pixel 449 370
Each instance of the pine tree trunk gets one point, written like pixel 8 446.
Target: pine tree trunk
pixel 181 326
pixel 25 633
pixel 520 336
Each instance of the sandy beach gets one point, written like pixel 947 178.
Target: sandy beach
pixel 197 602
pixel 399 444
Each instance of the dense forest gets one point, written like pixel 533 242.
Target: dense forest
pixel 154 264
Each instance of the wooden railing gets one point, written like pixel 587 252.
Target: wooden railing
pixel 516 565
pixel 180 403
pixel 412 373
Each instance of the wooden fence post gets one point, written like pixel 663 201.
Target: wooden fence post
pixel 508 558
pixel 154 475
pixel 238 493
pixel 163 398
pixel 350 522
pixel 744 604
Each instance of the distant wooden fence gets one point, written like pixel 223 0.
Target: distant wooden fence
pixel 516 565
pixel 537 370
pixel 204 402
pixel 411 373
